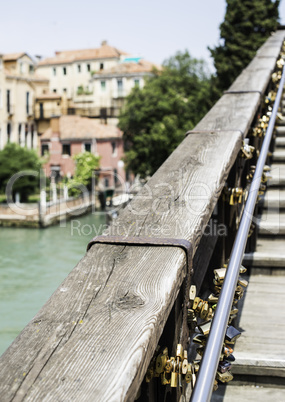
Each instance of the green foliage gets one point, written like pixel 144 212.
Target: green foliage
pixel 82 91
pixel 156 118
pixel 15 159
pixel 247 25
pixel 86 163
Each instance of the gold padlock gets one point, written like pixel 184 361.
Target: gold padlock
pixel 224 377
pixel 165 378
pixel 179 351
pixel 174 379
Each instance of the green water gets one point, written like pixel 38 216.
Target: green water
pixel 33 263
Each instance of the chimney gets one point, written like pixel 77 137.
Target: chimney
pixel 104 43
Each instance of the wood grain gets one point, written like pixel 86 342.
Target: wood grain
pixel 231 112
pixel 94 338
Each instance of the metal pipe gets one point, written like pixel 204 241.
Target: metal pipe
pixel 204 385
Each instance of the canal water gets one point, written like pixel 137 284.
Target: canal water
pixel 33 263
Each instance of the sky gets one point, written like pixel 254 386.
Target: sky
pixel 153 29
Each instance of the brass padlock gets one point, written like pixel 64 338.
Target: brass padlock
pixel 192 295
pixel 224 377
pixel 165 378
pixel 184 363
pixel 174 379
pixel 204 311
pixel 161 361
pixel 196 302
pixel 179 351
pixel 205 327
pixel 213 298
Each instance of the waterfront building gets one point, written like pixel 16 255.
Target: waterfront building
pixel 69 72
pixel 19 85
pixel 70 135
pixel 94 82
pixel 111 86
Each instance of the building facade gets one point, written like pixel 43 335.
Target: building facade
pixel 71 135
pixel 69 72
pixel 19 86
pixel 94 81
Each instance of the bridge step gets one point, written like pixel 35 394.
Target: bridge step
pixel 249 392
pixel 272 225
pixel 270 253
pixel 274 199
pixel 260 351
pixel 278 175
pixel 280 129
pixel 280 142
pixel 279 155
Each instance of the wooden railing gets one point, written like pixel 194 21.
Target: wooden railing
pixel 94 338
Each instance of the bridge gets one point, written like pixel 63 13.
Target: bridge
pixel 126 322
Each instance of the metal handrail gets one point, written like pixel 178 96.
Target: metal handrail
pixel 204 385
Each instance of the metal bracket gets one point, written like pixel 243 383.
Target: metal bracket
pixel 147 241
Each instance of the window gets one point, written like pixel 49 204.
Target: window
pixel 31 68
pixel 101 66
pixel 103 85
pixel 19 133
pixel 66 149
pixel 8 101
pixel 41 110
pixel 116 177
pixel 88 68
pixel 79 68
pixel 137 82
pixel 87 147
pixel 45 149
pixel 27 102
pixel 120 87
pixel 64 90
pixel 54 71
pixel 8 132
pixel 54 90
pixel 64 71
pixel 113 148
pixel 21 68
pixel 32 136
pixel 26 135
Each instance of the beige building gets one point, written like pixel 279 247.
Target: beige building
pixel 69 72
pixel 19 86
pixel 95 81
pixel 111 86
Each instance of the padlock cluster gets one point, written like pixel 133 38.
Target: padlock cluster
pixel 204 311
pixel 264 178
pixel 260 129
pixel 172 370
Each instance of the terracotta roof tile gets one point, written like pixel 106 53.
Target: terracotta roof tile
pixel 143 66
pixel 70 56
pixel 76 128
pixel 13 56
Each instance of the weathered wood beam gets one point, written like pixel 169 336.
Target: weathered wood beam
pixel 95 337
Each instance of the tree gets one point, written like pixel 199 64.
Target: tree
pixel 86 163
pixel 15 159
pixel 247 25
pixel 156 118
